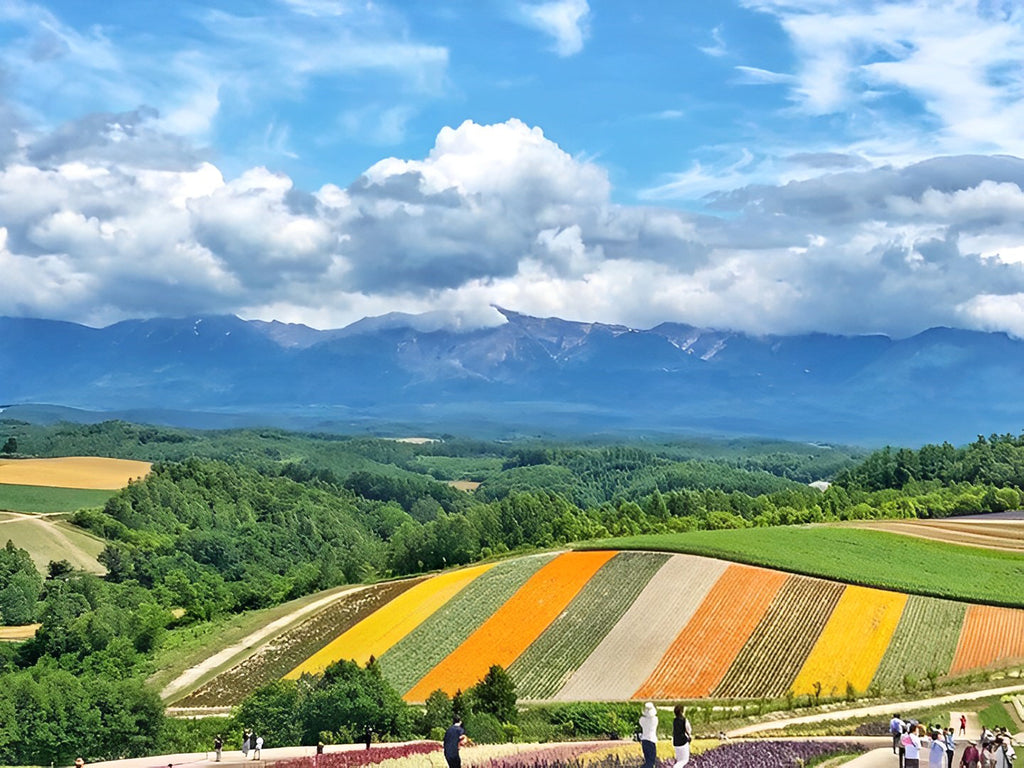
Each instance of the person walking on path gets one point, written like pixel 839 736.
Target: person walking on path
pixel 218 747
pixel 896 729
pixel 454 738
pixel 649 735
pixel 947 738
pixel 681 736
pixel 963 725
pixel 257 748
pixel 246 743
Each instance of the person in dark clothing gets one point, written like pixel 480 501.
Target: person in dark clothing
pixel 218 747
pixel 681 736
pixel 454 738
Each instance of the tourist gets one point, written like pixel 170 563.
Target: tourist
pixel 937 750
pixel 649 735
pixel 257 747
pixel 218 747
pixel 681 736
pixel 1004 753
pixel 246 743
pixel 912 747
pixel 896 729
pixel 971 757
pixel 963 725
pixel 454 738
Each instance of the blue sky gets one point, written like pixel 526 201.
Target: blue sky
pixel 774 166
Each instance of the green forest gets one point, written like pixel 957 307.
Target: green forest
pixel 233 521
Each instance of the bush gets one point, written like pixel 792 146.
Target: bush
pixel 484 728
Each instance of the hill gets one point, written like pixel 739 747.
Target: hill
pixel 526 376
pixel 620 625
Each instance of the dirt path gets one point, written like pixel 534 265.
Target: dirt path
pixel 877 709
pixel 250 642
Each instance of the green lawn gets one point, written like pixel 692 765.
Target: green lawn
pixel 855 556
pixel 34 499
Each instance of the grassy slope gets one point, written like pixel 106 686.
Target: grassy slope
pixel 48 538
pixel 34 499
pixel 855 556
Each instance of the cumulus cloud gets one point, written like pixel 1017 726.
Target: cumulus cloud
pixel 95 228
pixel 566 21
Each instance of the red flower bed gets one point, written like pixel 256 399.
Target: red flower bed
pixel 353 758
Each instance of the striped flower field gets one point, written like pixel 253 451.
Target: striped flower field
pixel 608 625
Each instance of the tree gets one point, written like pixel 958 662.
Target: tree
pixel 272 709
pixel 496 695
pixel 11 446
pixel 437 712
pixel 347 699
pixel 20 585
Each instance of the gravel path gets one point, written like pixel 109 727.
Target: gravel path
pixel 905 707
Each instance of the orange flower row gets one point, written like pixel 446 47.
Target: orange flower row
pixel 989 634
pixel 704 649
pixel 511 629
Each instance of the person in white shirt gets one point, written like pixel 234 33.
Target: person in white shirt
pixel 649 735
pixel 1004 753
pixel 912 746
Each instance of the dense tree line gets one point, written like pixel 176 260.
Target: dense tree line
pixel 994 461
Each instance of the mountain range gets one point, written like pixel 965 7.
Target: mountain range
pixel 527 376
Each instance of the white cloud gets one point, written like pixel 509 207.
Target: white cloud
pixel 994 312
pixel 501 214
pixel 717 48
pixel 758 76
pixel 961 64
pixel 567 21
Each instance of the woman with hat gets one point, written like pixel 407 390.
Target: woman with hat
pixel 649 735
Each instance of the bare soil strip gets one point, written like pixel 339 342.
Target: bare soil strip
pixel 1005 535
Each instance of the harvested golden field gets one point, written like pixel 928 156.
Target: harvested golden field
pixel 18 633
pixel 464 485
pixel 1007 535
pixel 91 472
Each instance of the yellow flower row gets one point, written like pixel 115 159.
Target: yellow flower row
pixel 851 646
pixel 386 626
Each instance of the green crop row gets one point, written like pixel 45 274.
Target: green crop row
pixel 771 659
pixel 544 667
pixel 446 629
pixel 923 644
pixel 856 556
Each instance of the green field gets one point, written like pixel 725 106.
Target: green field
pixel 34 499
pixel 855 556
pixel 47 538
